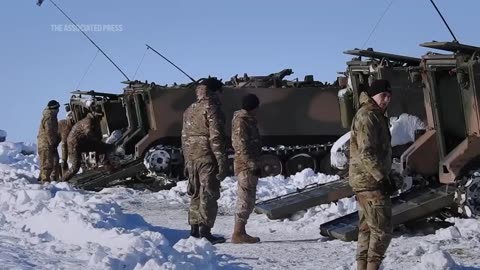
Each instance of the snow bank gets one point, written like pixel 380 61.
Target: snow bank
pixel 271 187
pixel 114 137
pixel 310 219
pixel 267 188
pixel 200 252
pixel 403 128
pixel 16 164
pixel 15 152
pixel 91 226
pixel 466 227
pixel 448 233
pixel 87 101
pixel 175 195
pixel 437 260
pixel 109 238
pixel 339 152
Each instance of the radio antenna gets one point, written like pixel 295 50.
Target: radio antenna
pixel 193 80
pixel 444 21
pixel 378 22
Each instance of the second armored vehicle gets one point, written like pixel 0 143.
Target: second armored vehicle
pixel 298 120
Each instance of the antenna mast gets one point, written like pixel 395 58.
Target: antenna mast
pixel 193 80
pixel 444 21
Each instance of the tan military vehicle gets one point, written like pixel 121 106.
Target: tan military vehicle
pixel 298 120
pixel 442 163
pixel 366 66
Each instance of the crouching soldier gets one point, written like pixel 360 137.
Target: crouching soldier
pixel 246 142
pixel 48 141
pixel 370 166
pixel 85 136
pixel 203 144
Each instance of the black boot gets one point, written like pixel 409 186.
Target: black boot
pixel 195 230
pixel 205 232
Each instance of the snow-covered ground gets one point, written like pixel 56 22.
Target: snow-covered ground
pixel 295 243
pixel 54 226
pixel 58 227
pixel 402 129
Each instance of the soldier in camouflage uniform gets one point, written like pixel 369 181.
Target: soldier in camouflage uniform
pixel 48 141
pixel 247 144
pixel 369 174
pixel 203 144
pixel 85 136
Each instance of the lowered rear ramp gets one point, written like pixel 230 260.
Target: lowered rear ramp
pixel 408 207
pixel 310 196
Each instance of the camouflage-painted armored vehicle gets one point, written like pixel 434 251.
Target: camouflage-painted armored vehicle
pixel 298 120
pixel 370 65
pixel 366 66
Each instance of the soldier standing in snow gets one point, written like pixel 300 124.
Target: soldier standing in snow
pixel 48 141
pixel 370 167
pixel 203 144
pixel 85 136
pixel 247 144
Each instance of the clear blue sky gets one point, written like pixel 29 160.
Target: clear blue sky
pixel 211 37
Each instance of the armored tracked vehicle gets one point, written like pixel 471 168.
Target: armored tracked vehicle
pixel 443 162
pixel 366 66
pixel 298 121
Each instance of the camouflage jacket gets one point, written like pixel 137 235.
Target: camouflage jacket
pixel 48 131
pixel 64 127
pixel 84 131
pixel 203 131
pixel 370 147
pixel 246 141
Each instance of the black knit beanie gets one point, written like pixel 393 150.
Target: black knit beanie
pixel 212 84
pixel 379 86
pixel 250 102
pixel 53 104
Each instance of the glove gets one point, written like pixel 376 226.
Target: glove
pixel 389 186
pixel 222 169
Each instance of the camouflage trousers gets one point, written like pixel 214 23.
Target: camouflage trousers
pixel 204 189
pixel 57 171
pixel 375 226
pixel 246 194
pixel 47 157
